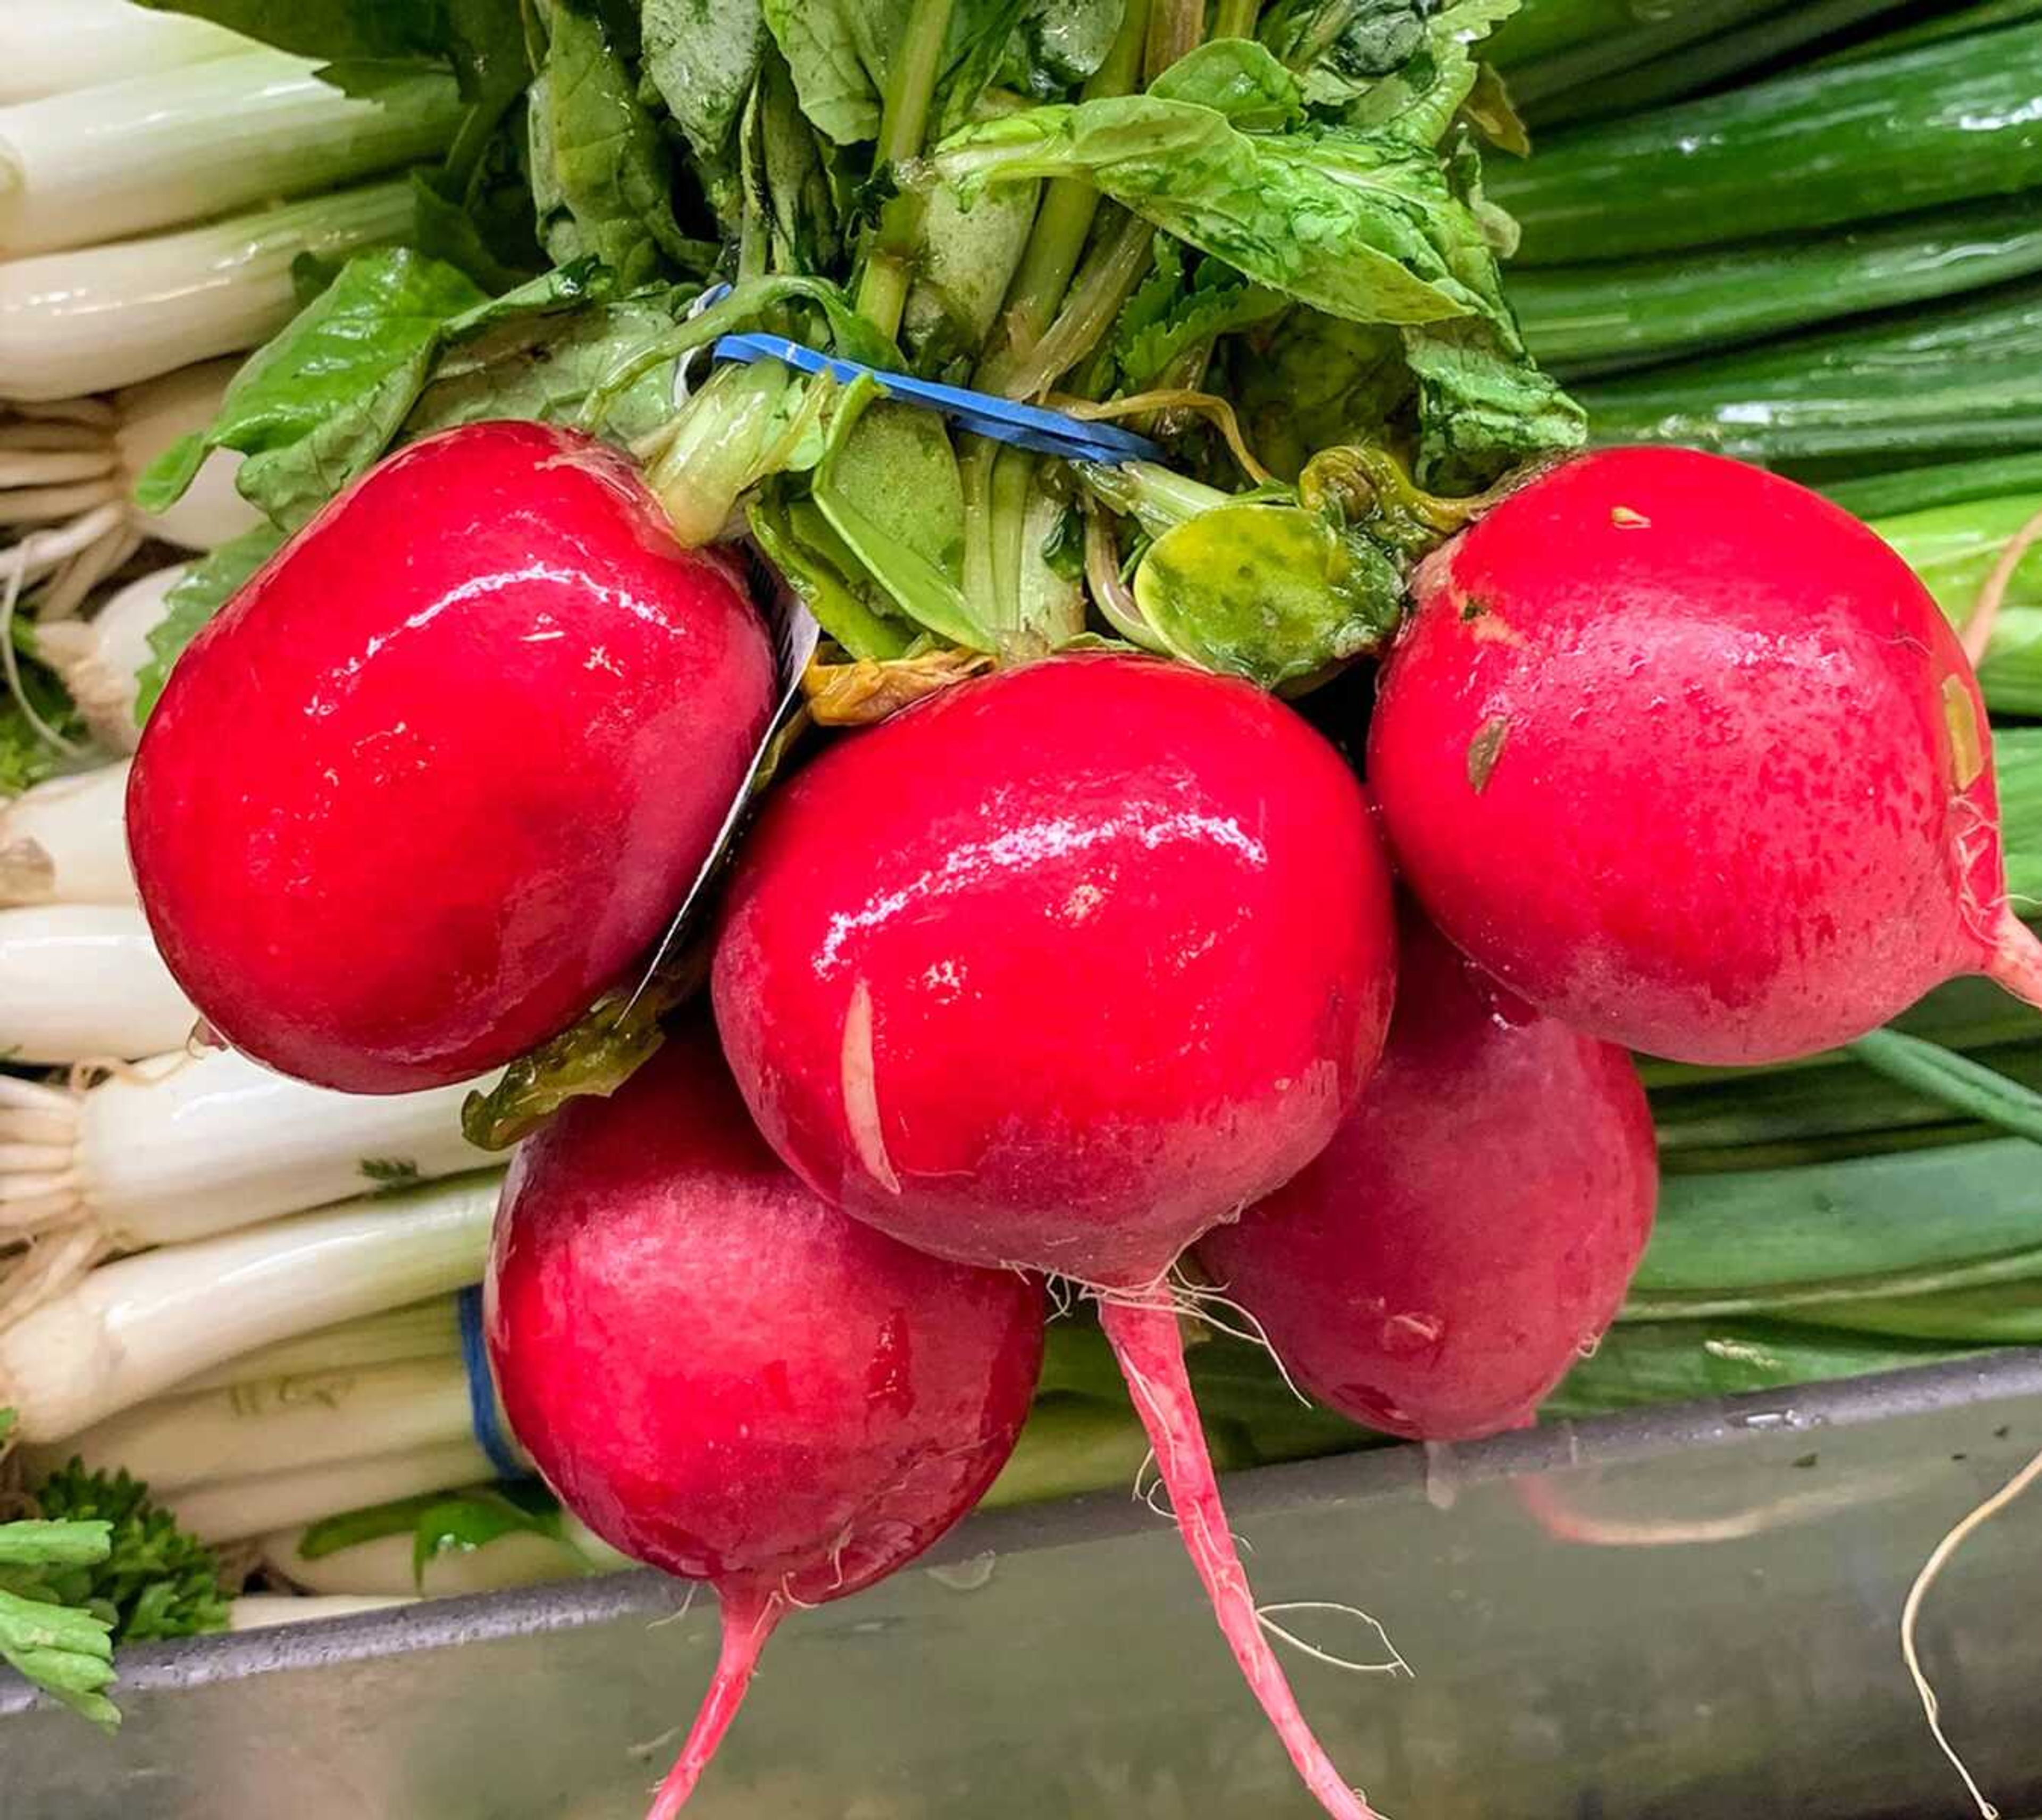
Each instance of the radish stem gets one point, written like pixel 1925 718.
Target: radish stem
pixel 1146 1340
pixel 748 1619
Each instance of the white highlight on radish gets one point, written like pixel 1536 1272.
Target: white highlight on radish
pixel 75 322
pixel 83 982
pixel 133 1329
pixel 63 841
pixel 195 141
pixel 182 1148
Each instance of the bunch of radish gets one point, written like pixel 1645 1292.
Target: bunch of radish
pixel 1090 968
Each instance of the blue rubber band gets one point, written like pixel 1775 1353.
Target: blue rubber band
pixel 489 1435
pixel 1034 427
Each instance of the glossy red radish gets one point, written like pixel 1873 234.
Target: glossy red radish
pixel 1060 968
pixel 726 1379
pixel 1474 1224
pixel 435 779
pixel 1687 757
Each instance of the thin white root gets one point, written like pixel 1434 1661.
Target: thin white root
pixel 69 590
pixel 10 663
pixel 48 1267
pixel 1910 1615
pixel 42 552
pixel 1396 1665
pixel 1985 610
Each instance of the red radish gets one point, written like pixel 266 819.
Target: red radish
pixel 437 776
pixel 1474 1224
pixel 1060 968
pixel 726 1379
pixel 1687 757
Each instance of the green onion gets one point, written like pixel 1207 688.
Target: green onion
pixel 1943 124
pixel 1600 316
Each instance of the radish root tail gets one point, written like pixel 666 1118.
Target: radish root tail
pixel 1146 1340
pixel 1985 610
pixel 1910 1620
pixel 749 1617
pixel 2017 960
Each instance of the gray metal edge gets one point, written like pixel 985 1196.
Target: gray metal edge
pixel 2002 1375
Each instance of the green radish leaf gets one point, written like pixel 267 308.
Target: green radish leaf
pixel 602 175
pixel 1271 593
pixel 815 563
pixel 890 488
pixel 319 404
pixel 322 401
pixel 1363 226
pixel 1313 382
pixel 1238 77
pixel 785 177
pixel 341 31
pixel 472 1520
pixel 211 583
pixel 545 367
pixel 980 36
pixel 838 50
pixel 1170 316
pixel 703 57
pixel 1060 44
pixel 1340 47
pixel 595 1054
pixel 1483 406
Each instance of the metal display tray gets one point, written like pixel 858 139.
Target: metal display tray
pixel 1686 1611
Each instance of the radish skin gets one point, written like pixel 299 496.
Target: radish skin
pixel 62 842
pixel 100 662
pixel 1474 1225
pixel 1686 756
pixel 490 646
pixel 1069 1014
pixel 83 982
pixel 811 1405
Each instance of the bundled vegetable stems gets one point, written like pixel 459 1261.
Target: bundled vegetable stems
pixel 1097 207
